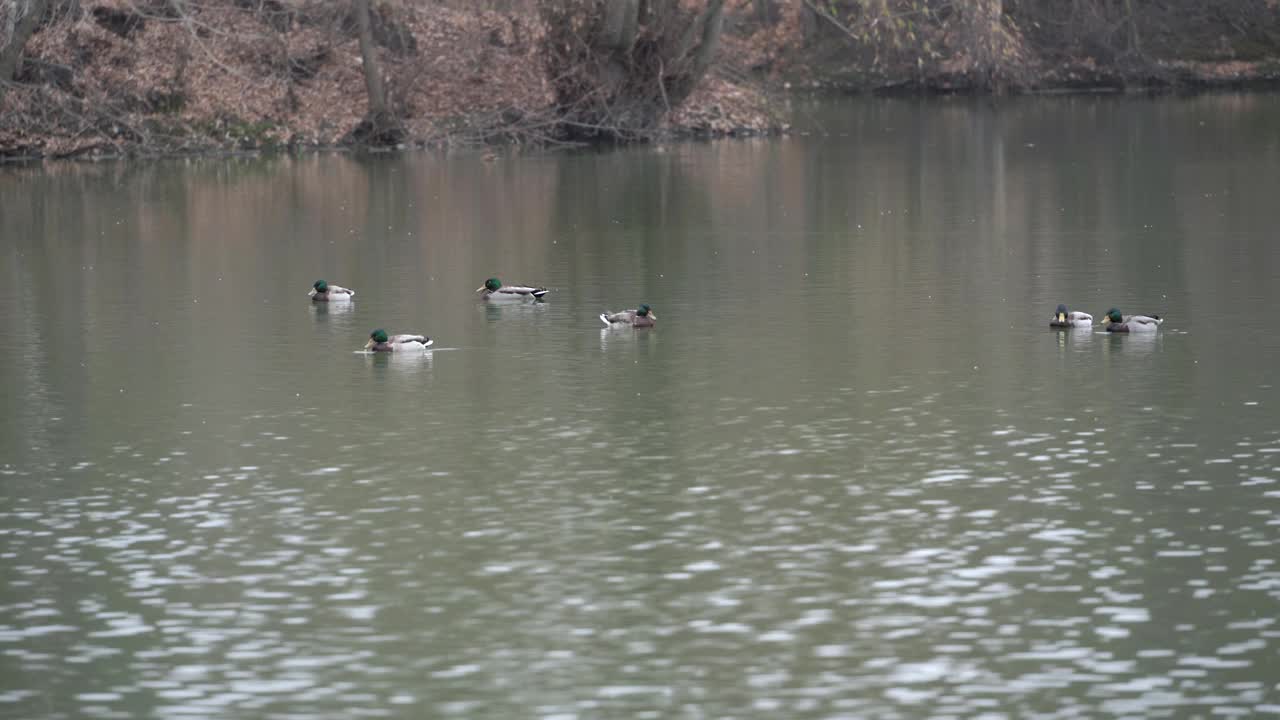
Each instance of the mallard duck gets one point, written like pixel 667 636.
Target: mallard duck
pixel 640 317
pixel 493 289
pixel 1064 319
pixel 380 341
pixel 322 291
pixel 1111 314
pixel 1115 322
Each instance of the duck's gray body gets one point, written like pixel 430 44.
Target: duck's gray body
pixel 628 317
pixel 1116 322
pixel 334 293
pixel 512 292
pixel 1135 324
pixel 398 343
pixel 1073 319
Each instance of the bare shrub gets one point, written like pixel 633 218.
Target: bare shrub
pixel 617 67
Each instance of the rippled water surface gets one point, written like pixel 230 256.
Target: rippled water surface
pixel 850 474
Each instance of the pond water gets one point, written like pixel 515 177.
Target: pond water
pixel 851 472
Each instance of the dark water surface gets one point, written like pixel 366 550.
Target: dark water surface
pixel 850 474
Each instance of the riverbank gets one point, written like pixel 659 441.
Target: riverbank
pixel 1064 76
pixel 1026 52
pixel 123 78
pixel 118 81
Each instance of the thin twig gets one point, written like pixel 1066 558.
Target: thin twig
pixel 663 87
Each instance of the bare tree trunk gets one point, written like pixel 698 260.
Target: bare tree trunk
pixel 1135 43
pixel 697 49
pixel 18 22
pixel 808 22
pixel 620 24
pixel 712 23
pixel 764 11
pixel 994 49
pixel 618 66
pixel 631 26
pixel 985 25
pixel 380 126
pixel 369 56
pixel 1073 25
pixel 618 33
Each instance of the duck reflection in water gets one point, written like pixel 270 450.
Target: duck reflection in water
pixel 321 309
pixel 1135 343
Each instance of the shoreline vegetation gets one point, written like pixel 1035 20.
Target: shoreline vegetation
pixel 109 78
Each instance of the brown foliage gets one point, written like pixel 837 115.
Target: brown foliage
pixel 224 75
pixel 122 76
